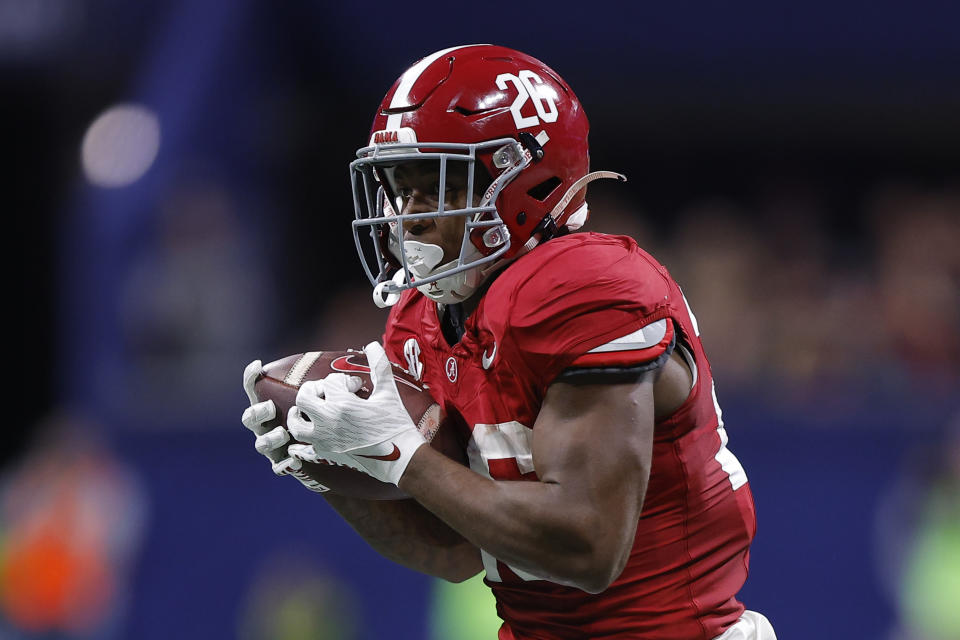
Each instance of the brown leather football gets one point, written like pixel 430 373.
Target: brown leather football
pixel 280 380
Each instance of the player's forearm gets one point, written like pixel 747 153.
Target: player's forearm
pixel 406 533
pixel 534 526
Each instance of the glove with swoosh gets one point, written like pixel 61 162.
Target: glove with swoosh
pixel 375 432
pixel 272 443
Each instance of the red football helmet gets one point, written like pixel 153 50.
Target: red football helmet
pixel 520 134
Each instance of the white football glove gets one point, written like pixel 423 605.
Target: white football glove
pixel 376 433
pixel 271 443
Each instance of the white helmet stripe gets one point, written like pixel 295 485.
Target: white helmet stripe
pixel 410 77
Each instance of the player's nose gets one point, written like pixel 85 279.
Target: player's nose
pixel 417 227
pixel 417 203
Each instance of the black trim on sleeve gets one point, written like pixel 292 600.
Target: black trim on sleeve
pixel 615 375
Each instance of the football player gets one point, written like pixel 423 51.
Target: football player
pixel 601 499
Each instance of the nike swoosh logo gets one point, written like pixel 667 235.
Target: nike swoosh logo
pixel 346 365
pixel 486 360
pixel 390 457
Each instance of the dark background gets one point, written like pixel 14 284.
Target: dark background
pixel 794 166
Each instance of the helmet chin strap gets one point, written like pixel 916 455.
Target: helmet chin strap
pixel 423 260
pixel 455 288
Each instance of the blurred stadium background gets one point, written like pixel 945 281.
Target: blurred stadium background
pixel 181 170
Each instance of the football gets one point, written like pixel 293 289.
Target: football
pixel 280 380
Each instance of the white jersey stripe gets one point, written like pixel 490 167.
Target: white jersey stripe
pixel 642 338
pixel 395 120
pixel 728 461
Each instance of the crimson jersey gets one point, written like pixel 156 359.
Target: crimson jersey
pixel 559 307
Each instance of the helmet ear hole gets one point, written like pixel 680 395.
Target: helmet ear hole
pixel 543 190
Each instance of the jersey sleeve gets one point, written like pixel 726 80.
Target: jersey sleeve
pixel 595 306
pixel 624 359
pixel 646 344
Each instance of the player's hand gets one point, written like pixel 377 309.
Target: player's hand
pixel 377 432
pixel 272 443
